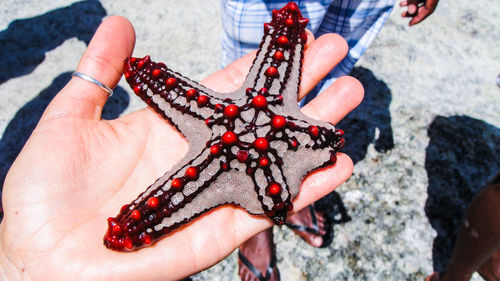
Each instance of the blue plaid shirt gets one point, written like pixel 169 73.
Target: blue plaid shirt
pixel 358 21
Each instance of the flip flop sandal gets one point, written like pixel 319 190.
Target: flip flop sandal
pixel 255 271
pixel 327 237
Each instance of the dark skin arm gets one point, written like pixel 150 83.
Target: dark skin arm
pixel 418 10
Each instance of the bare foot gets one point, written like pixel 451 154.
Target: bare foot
pixel 257 259
pixel 311 225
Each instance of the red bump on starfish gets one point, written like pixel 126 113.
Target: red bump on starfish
pixel 136 215
pixel 229 138
pixel 313 131
pixel 191 94
pixel 125 208
pixel 283 41
pixel 210 121
pixel 271 72
pixel 177 184
pixel 115 227
pixel 289 22
pixel 219 107
pixel 275 14
pixel 278 56
pixel 263 91
pixel 155 73
pixel 202 100
pixel 242 156
pixel 259 101
pixel 146 59
pixel 127 242
pixel 273 189
pixel 278 122
pixel 192 173
pixel 278 99
pixel 215 149
pixel 143 62
pixel 231 111
pixel 152 202
pixel 137 89
pixel 261 144
pixel 263 161
pixel 303 22
pixel 140 64
pixel 333 157
pixel 171 83
pixel 292 7
pixel 267 27
pixel 339 133
pixel 145 238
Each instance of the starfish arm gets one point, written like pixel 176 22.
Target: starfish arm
pixel 170 94
pixel 277 66
pixel 170 202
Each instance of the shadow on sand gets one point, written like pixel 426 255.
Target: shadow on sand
pixel 461 158
pixel 24 43
pixel 360 128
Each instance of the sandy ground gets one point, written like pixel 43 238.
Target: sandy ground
pixel 424 141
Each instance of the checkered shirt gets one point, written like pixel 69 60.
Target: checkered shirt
pixel 358 21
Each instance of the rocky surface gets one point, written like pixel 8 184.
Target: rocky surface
pixel 425 139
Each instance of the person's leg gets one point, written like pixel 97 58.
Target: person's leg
pixel 311 225
pixel 257 258
pixel 478 242
pixel 243 23
pixel 359 22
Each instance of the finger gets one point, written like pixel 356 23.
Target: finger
pixel 103 60
pixel 232 76
pixel 336 101
pixel 422 14
pixel 403 3
pixel 320 183
pixel 320 57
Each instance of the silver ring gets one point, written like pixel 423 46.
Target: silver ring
pixel 92 80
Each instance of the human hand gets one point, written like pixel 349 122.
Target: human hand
pixel 77 170
pixel 418 10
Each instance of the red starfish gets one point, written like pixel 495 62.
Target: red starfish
pixel 251 147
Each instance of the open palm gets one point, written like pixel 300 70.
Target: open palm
pixel 76 170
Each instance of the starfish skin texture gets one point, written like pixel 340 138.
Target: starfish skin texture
pixel 250 148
